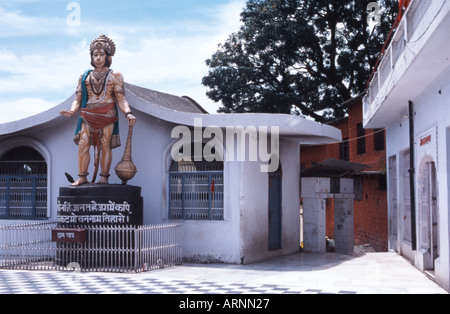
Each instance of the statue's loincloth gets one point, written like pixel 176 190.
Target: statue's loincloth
pixel 97 118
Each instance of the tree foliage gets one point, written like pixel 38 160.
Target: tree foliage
pixel 311 55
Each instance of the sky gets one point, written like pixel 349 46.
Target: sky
pixel 161 45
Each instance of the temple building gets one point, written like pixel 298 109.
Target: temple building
pixel 242 206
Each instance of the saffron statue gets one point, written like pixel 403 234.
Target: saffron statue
pixel 99 97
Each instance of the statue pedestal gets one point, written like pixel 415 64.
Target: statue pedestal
pixel 108 213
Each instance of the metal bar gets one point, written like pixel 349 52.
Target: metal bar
pixel 195 172
pixel 130 243
pixel 183 210
pixel 33 201
pixel 412 176
pixel 8 185
pixel 22 177
pixel 210 195
pixel 137 244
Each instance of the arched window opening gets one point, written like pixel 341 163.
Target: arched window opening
pixel 196 189
pixel 23 184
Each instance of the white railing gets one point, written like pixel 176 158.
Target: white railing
pixel 107 249
pixel 418 11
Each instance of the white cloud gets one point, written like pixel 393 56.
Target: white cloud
pixel 169 58
pixel 22 108
pixel 15 23
pixel 178 61
pixel 37 72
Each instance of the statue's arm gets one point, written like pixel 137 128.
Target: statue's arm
pixel 76 105
pixel 119 92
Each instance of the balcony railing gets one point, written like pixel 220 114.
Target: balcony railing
pixel 418 11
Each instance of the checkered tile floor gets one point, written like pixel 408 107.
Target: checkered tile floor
pixel 21 282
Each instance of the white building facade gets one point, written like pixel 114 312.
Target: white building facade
pixel 231 211
pixel 410 97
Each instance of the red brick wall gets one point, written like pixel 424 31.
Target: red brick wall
pixel 371 156
pixel 318 153
pixel 330 218
pixel 370 214
pixel 370 218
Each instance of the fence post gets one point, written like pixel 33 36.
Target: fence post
pixel 136 249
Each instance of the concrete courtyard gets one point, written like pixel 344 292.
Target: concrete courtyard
pixel 302 273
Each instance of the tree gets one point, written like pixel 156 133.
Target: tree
pixel 297 56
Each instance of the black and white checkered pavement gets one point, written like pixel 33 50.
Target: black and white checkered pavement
pixel 22 282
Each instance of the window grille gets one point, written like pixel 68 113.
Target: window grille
pixel 23 185
pixel 196 190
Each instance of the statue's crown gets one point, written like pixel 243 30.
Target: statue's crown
pixel 105 43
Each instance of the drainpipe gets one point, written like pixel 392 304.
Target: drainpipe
pixel 412 172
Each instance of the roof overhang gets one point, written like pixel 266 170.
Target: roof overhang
pixel 188 113
pixel 333 168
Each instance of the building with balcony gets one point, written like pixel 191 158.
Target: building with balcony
pixel 409 95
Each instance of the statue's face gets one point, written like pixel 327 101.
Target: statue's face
pixel 99 58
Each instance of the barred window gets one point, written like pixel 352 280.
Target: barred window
pixel 379 140
pixel 344 150
pixel 361 142
pixel 23 185
pixel 196 189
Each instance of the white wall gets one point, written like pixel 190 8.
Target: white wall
pixel 397 143
pixel 217 241
pixel 432 110
pixel 56 146
pixel 255 206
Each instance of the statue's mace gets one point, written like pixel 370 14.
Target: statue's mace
pixel 126 169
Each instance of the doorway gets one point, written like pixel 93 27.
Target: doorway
pixel 393 204
pixel 275 209
pixel 428 211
